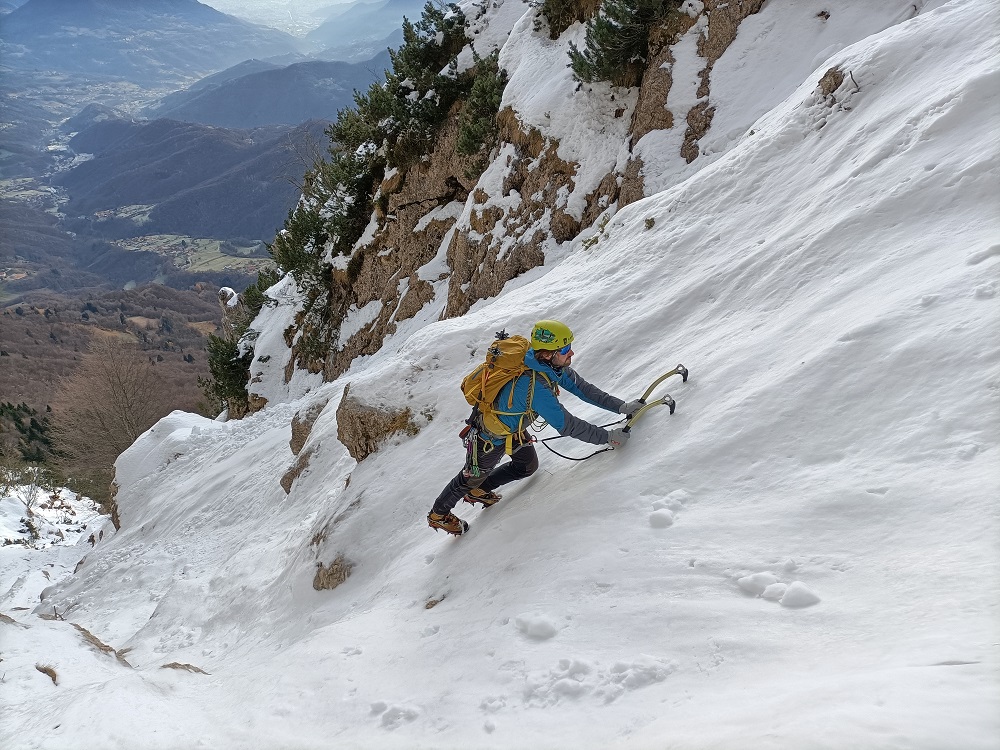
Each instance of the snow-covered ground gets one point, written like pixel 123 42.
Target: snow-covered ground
pixel 66 526
pixel 805 555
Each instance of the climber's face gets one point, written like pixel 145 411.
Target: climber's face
pixel 563 357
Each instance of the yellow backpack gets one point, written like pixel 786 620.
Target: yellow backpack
pixel 504 363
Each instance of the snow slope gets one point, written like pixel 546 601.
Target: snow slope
pixel 803 556
pixel 66 524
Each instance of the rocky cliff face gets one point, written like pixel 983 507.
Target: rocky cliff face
pixel 414 215
pixel 439 241
pixel 716 26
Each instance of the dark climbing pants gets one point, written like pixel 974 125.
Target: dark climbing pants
pixel 523 463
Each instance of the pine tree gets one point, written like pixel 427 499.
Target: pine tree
pixel 477 125
pixel 230 373
pixel 617 42
pixel 559 14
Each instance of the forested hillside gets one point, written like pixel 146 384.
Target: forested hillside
pixel 44 339
pixel 286 95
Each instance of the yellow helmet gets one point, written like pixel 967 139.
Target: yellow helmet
pixel 551 335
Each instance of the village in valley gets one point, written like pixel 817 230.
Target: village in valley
pixel 198 255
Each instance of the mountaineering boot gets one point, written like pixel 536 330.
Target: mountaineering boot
pixel 486 497
pixel 449 522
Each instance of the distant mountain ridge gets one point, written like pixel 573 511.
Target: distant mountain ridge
pixel 272 95
pixel 352 33
pixel 151 42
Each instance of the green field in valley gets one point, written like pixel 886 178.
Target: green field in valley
pixel 198 255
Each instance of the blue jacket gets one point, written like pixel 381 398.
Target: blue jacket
pixel 545 401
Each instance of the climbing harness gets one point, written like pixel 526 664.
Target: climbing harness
pixel 479 441
pixel 666 400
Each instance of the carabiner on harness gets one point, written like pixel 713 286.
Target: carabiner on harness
pixel 472 436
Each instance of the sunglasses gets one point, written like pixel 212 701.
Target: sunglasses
pixel 566 349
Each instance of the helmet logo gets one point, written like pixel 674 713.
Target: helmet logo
pixel 544 336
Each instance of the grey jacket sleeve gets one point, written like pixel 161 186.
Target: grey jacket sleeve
pixel 588 392
pixel 581 430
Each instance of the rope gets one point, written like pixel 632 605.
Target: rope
pixel 571 458
pixel 630 420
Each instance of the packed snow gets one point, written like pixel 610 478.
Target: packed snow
pixel 44 545
pixel 804 555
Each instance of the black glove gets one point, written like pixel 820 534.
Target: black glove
pixel 617 437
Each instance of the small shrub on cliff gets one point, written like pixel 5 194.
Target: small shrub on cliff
pixel 351 177
pixel 227 388
pixel 296 248
pixel 253 297
pixel 230 370
pixel 477 125
pixel 617 41
pixel 559 14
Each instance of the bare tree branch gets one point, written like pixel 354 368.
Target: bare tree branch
pixel 114 396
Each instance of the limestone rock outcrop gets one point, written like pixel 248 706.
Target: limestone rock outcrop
pixel 363 427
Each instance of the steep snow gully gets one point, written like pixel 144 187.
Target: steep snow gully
pixel 803 556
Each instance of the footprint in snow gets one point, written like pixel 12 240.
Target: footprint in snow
pixel 575 679
pixel 987 291
pixel 493 703
pixel 393 716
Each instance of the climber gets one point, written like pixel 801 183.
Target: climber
pixel 531 392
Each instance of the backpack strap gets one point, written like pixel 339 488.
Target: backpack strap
pixel 509 441
pixel 508 435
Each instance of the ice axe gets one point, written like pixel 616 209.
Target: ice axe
pixel 646 406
